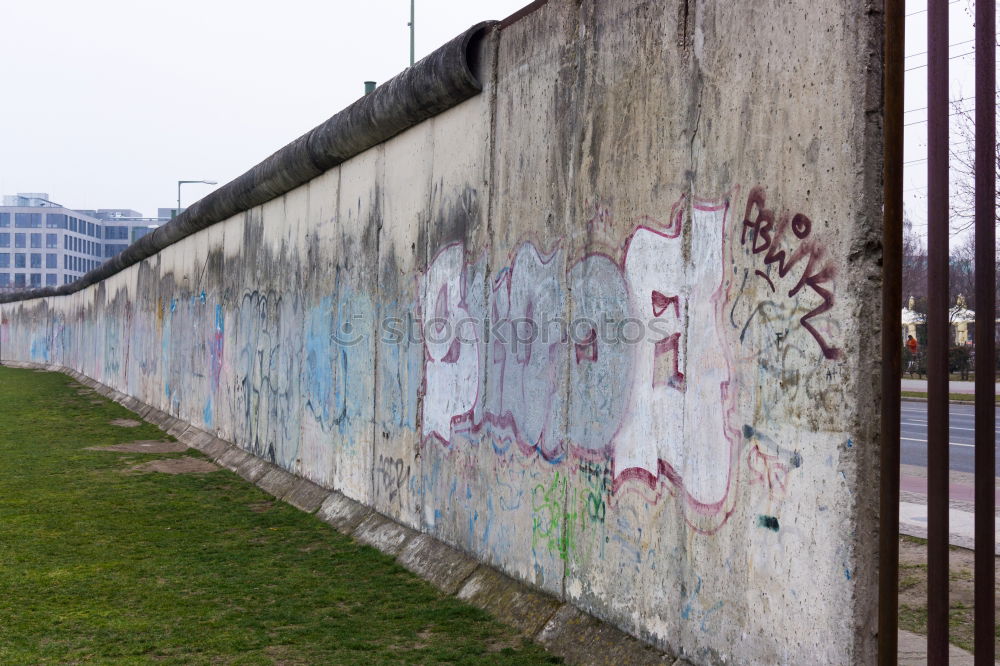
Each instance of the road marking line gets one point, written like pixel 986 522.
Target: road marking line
pixel 950 427
pixel 910 439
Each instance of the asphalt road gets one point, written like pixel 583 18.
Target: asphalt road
pixel 913 439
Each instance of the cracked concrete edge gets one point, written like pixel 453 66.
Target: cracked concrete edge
pixel 383 533
pixel 561 628
pixel 306 495
pixel 276 482
pixel 581 638
pixel 215 448
pixel 445 567
pixel 196 438
pixel 342 513
pixel 233 458
pixel 252 469
pixel 177 428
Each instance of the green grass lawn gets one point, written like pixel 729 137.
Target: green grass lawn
pixel 963 397
pixel 99 564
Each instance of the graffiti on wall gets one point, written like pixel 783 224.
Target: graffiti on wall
pixel 806 256
pixel 628 370
pixel 636 368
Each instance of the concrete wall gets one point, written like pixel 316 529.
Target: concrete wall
pixel 693 189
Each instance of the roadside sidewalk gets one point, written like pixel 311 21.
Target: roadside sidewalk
pixel 913 651
pixel 961 515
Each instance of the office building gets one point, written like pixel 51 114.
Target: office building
pixel 45 244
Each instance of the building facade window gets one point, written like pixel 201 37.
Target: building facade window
pixel 18 279
pixel 36 241
pixel 55 221
pixel 116 233
pixel 36 279
pixel 28 220
pixel 19 260
pixel 36 260
pixel 4 260
pixel 50 279
pixel 51 241
pixel 20 240
pixel 4 279
pixel 5 240
pixel 72 223
pixel 51 260
pixel 4 220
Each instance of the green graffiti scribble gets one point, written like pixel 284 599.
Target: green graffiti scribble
pixel 552 525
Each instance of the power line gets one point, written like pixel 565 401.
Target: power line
pixel 921 11
pixel 914 55
pixel 960 55
pixel 954 113
pixel 960 100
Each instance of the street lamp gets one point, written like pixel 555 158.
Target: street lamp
pixel 182 182
pixel 413 26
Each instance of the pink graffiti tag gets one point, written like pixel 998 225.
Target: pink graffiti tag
pixel 818 269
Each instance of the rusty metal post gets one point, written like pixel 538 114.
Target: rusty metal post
pixel 937 331
pixel 892 304
pixel 985 333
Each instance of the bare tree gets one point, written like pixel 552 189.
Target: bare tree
pixel 914 265
pixel 963 169
pixel 962 278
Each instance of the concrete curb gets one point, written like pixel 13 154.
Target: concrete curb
pixel 563 629
pixel 950 402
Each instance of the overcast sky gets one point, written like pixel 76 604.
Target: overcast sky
pixel 961 72
pixel 108 103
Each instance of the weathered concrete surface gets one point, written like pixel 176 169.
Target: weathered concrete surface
pixel 233 459
pixel 215 448
pixel 382 533
pixel 509 600
pixel 684 202
pixel 582 639
pixel 277 482
pixel 306 496
pixel 253 469
pixel 443 566
pixel 343 513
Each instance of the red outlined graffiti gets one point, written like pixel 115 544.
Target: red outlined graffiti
pixel 685 432
pixel 659 424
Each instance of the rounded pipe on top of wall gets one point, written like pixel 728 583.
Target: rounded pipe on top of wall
pixel 443 79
